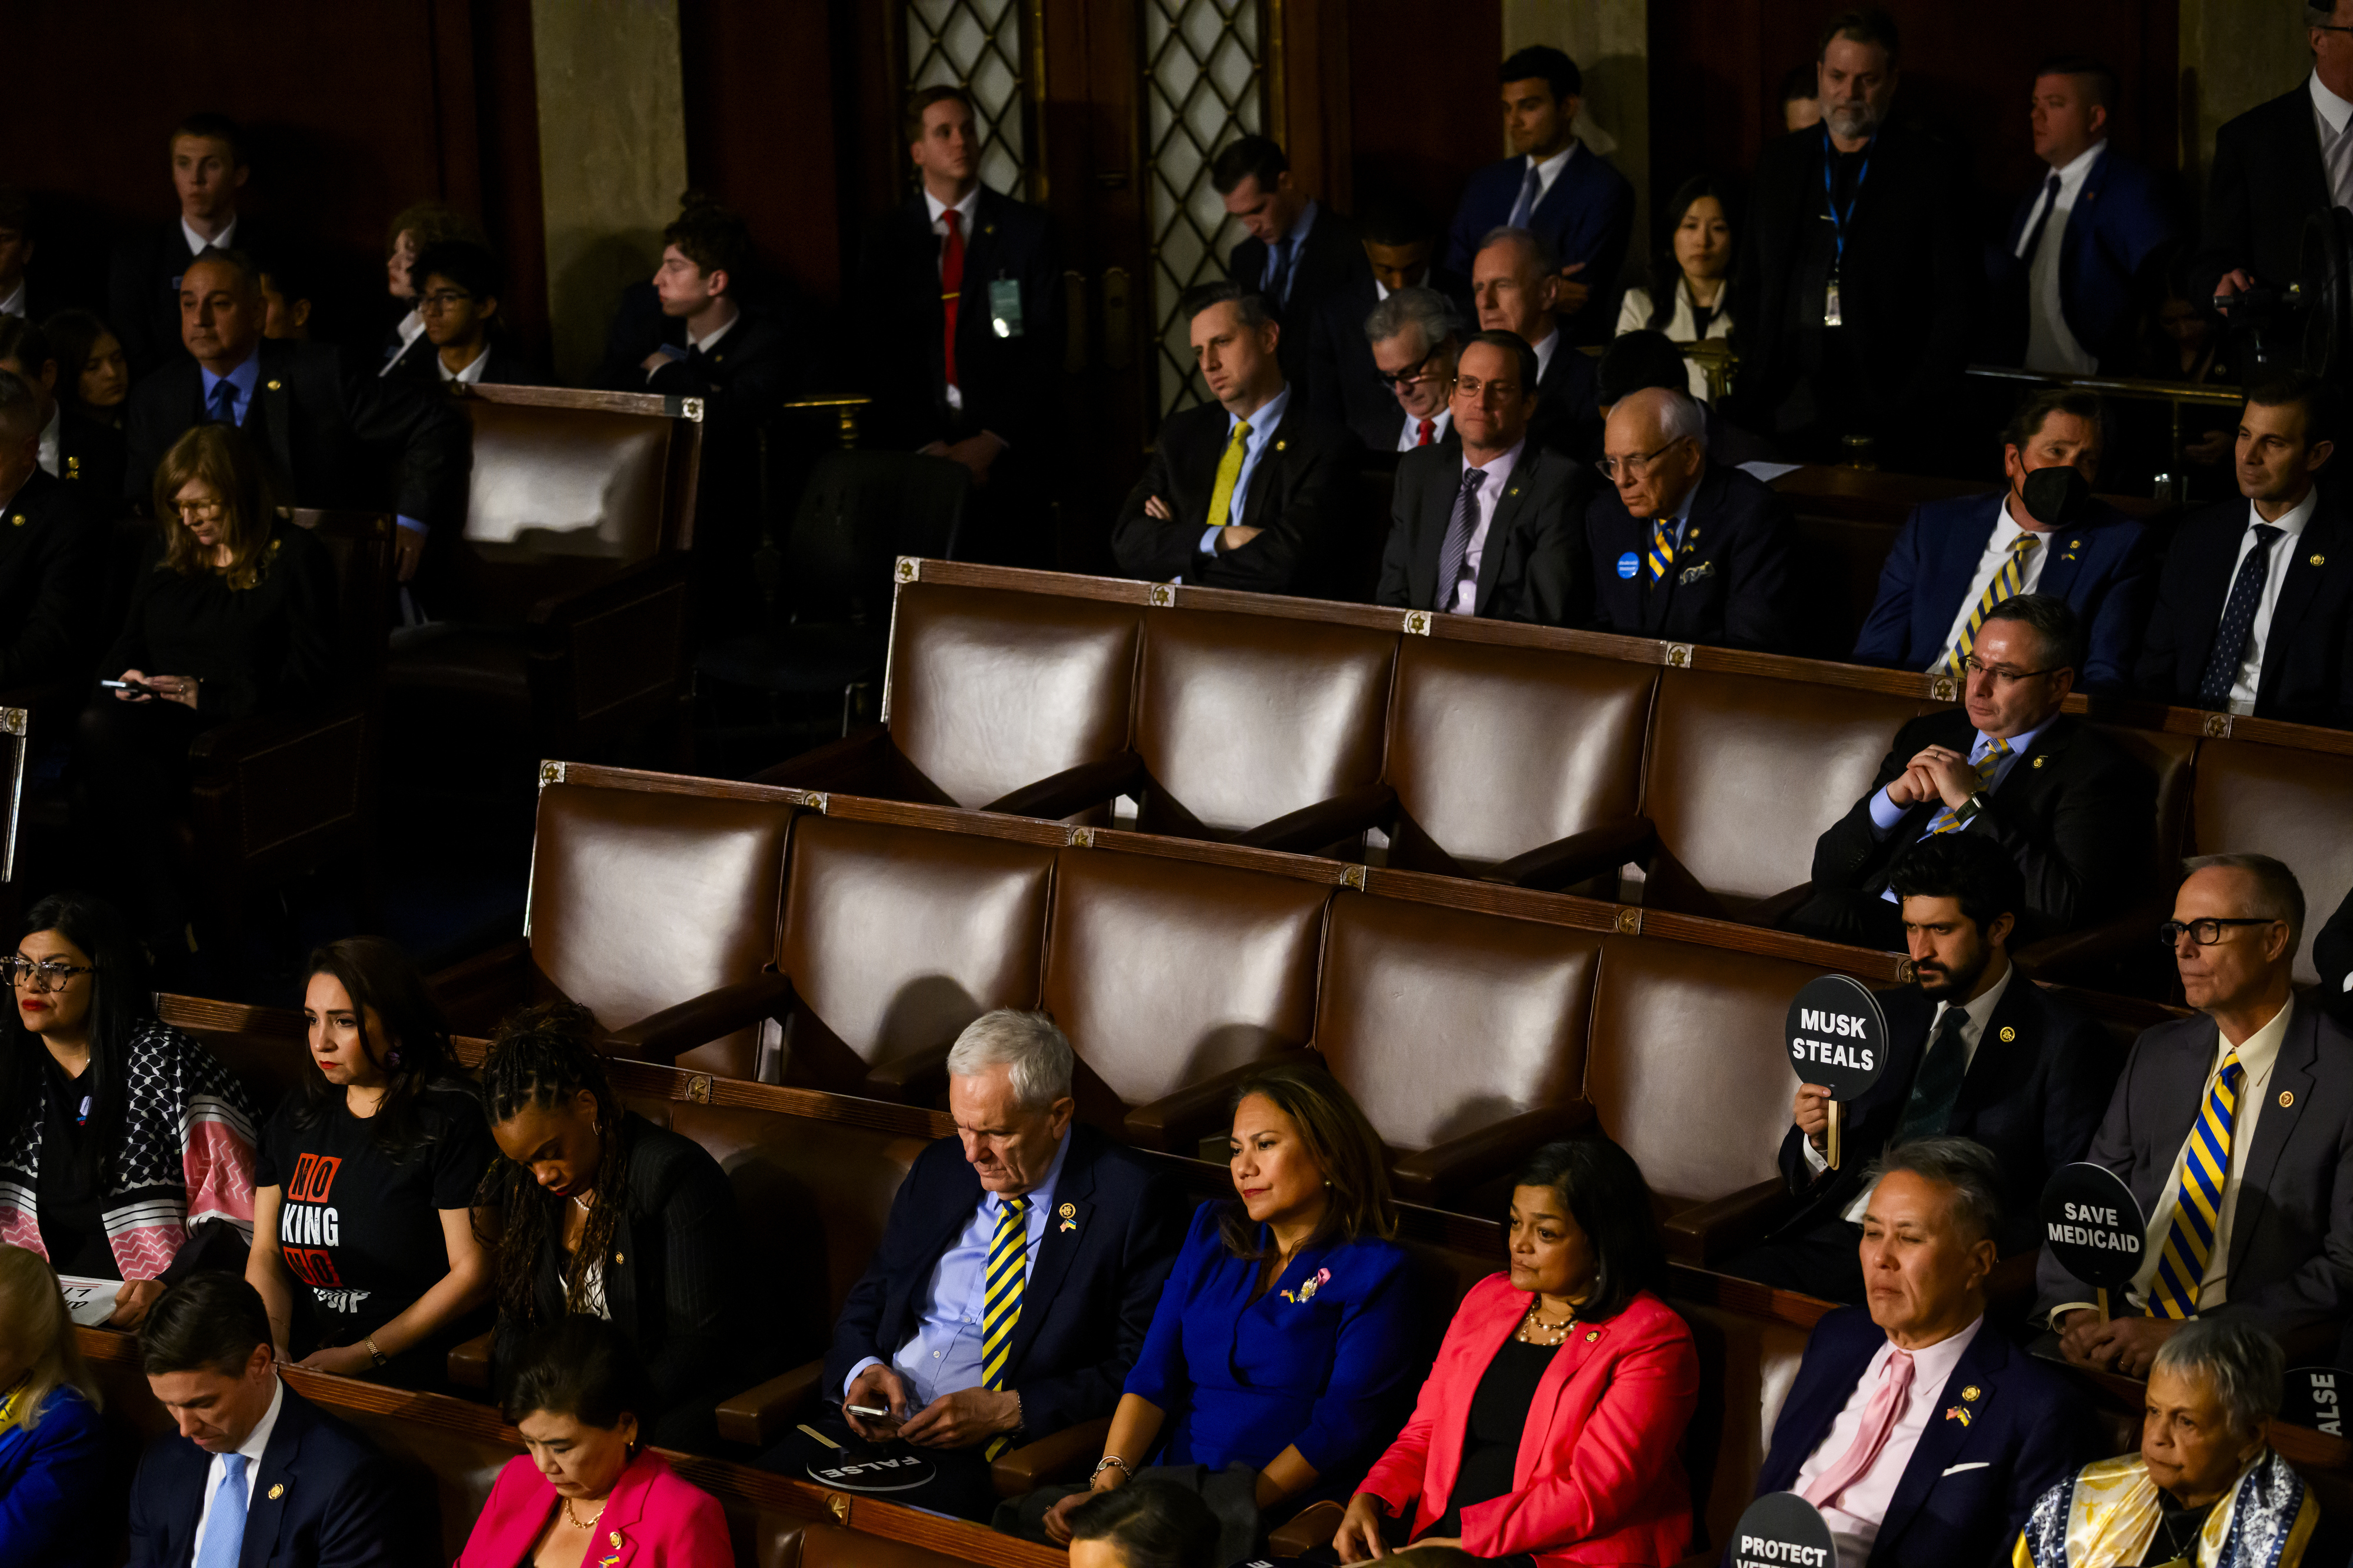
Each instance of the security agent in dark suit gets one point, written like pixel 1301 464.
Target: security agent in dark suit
pixel 1344 380
pixel 1296 255
pixel 208 170
pixel 1245 492
pixel 2045 534
pixel 2258 1088
pixel 2254 608
pixel 52 550
pixel 1680 548
pixel 1412 340
pixel 1923 1434
pixel 2070 808
pixel 1487 524
pixel 1890 228
pixel 1579 206
pixel 256 1474
pixel 1097 1231
pixel 333 438
pixel 1516 288
pixel 1976 1050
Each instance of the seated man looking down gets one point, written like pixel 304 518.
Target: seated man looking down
pixel 1247 491
pixel 51 553
pixel 2234 1130
pixel 1921 1433
pixel 1978 1051
pixel 1413 343
pixel 1344 380
pixel 2071 808
pixel 927 1349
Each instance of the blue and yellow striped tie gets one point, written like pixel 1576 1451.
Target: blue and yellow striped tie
pixel 2189 1238
pixel 2006 584
pixel 1984 768
pixel 1663 552
pixel 1000 1301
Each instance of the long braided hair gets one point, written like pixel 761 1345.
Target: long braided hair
pixel 541 1056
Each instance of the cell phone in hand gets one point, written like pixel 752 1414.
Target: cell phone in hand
pixel 139 686
pixel 869 1410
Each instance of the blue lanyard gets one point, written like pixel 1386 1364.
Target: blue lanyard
pixel 1830 196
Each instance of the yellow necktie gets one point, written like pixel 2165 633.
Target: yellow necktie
pixel 1229 473
pixel 2006 584
pixel 1001 1298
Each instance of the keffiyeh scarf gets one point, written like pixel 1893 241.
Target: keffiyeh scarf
pixel 2107 1514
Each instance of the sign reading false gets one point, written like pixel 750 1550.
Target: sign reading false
pixel 886 1468
pixel 1837 1036
pixel 1782 1530
pixel 2093 1225
pixel 2314 1396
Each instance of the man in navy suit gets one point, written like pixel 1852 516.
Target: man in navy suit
pixel 1923 1434
pixel 1095 1229
pixel 257 1474
pixel 1295 253
pixel 208 172
pixel 1572 199
pixel 1954 560
pixel 2072 278
pixel 1344 381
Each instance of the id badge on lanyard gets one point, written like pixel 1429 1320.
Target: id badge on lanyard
pixel 1832 315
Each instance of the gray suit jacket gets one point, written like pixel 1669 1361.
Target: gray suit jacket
pixel 1530 567
pixel 2291 1270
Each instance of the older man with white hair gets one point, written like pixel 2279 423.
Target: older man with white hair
pixel 1686 549
pixel 1013 1285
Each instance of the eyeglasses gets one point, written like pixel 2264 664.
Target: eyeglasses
pixel 2205 932
pixel 1486 390
pixel 2000 673
pixel 1410 375
pixel 1637 464
pixel 26 976
pixel 199 511
pixel 442 299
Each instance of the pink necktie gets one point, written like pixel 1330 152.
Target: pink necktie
pixel 1878 1421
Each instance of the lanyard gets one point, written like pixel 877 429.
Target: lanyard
pixel 1830 196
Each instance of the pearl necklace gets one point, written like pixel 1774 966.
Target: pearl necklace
pixel 1535 1331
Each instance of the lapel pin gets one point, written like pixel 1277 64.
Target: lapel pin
pixel 1070 1225
pixel 988 228
pixel 277 1492
pixel 276 387
pixel 2040 760
pixel 1069 1211
pixel 1279 445
pixel 2288 1097
pixel 615 1539
pixel 2320 560
pixel 1591 1335
pixel 1513 491
pixel 1970 1393
pixel 1958 1413
pixel 2008 1035
pixel 2074 544
pixel 618 1258
pixel 17 520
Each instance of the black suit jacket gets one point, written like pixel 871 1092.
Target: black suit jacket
pixel 1531 566
pixel 508 367
pixel 142 289
pixel 1568 418
pixel 1734 579
pixel 1090 1298
pixel 2307 648
pixel 322 1498
pixel 1299 494
pixel 1340 368
pixel 2267 176
pixel 90 453
pixel 2332 954
pixel 333 436
pixel 2075 813
pixel 2035 1094
pixel 1330 264
pixel 743 377
pixel 2291 1267
pixel 1008 384
pixel 52 556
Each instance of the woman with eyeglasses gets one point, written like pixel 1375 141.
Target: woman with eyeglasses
pixel 126 1149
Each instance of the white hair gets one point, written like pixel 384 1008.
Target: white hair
pixel 1037 1054
pixel 1683 416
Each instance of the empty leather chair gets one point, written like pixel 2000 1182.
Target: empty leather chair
pixel 2291 804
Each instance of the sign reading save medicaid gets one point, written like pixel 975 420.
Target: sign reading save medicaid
pixel 2093 1225
pixel 1782 1530
pixel 1837 1036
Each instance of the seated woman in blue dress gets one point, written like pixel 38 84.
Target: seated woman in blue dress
pixel 53 1479
pixel 1280 1359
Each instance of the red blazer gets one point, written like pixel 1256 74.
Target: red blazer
pixel 1600 1473
pixel 653 1520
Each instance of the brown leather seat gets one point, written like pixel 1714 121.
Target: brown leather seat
pixel 1746 1363
pixel 831 1546
pixel 2291 804
pixel 2118 954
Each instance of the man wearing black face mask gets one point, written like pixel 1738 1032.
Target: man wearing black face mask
pixel 1955 560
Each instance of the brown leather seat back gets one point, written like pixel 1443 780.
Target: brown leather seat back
pixel 1164 973
pixel 1745 773
pixel 1745 1367
pixel 1441 1022
pixel 992 690
pixel 1244 719
pixel 2293 806
pixel 2169 757
pixel 1495 751
pixel 831 1546
pixel 895 938
pixel 642 900
pixel 1687 1069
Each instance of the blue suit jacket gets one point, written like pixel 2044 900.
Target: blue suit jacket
pixel 2121 217
pixel 1588 215
pixel 2026 1431
pixel 2100 565
pixel 53 1482
pixel 322 1499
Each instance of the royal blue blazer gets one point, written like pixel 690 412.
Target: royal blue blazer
pixel 1321 1363
pixel 2099 564
pixel 53 1484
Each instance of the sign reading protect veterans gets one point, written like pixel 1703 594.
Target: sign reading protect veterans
pixel 1837 1036
pixel 2315 1397
pixel 2093 1225
pixel 1782 1530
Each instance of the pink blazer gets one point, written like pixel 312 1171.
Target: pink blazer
pixel 1601 1475
pixel 653 1520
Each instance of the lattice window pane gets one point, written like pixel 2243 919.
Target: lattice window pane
pixel 976 44
pixel 1202 89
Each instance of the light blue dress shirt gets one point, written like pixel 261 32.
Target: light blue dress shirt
pixel 1282 257
pixel 1262 424
pixel 1885 814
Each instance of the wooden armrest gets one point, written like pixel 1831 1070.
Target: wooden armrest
pixel 225 745
pixel 2053 956
pixel 919 1077
pixel 1550 867
pixel 1700 1236
pixel 1310 1528
pixel 1436 1173
pixel 1074 789
pixel 1062 1456
pixel 757 1416
pixel 487 981
pixel 837 765
pixel 699 1020
pixel 1175 1123
pixel 1311 828
pixel 470 1363
pixel 1772 912
pixel 656 575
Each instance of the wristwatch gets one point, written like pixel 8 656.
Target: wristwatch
pixel 1969 809
pixel 374 1354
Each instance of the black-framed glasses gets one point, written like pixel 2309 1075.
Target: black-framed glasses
pixel 441 299
pixel 2002 672
pixel 1637 464
pixel 26 976
pixel 2208 932
pixel 1408 376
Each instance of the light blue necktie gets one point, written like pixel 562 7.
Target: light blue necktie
pixel 225 1537
pixel 1529 190
pixel 224 401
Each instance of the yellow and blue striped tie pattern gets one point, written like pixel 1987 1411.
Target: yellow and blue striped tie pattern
pixel 1984 768
pixel 1000 1298
pixel 2189 1238
pixel 2007 583
pixel 1662 557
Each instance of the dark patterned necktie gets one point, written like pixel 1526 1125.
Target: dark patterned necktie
pixel 2238 620
pixel 1937 1086
pixel 1455 549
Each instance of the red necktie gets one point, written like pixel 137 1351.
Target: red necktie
pixel 951 288
pixel 1428 429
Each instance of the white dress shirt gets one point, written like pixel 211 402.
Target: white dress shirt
pixel 964 211
pixel 1854 1515
pixel 1483 501
pixel 1544 351
pixel 411 328
pixel 2050 347
pixel 1547 173
pixel 473 374
pixel 198 244
pixel 255 1443
pixel 1682 327
pixel 51 463
pixel 13 303
pixel 1411 436
pixel 1990 559
pixel 2291 526
pixel 2330 115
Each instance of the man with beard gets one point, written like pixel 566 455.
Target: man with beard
pixel 1977 1051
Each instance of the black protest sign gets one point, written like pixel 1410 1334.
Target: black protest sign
pixel 2315 1397
pixel 2093 1225
pixel 895 1469
pixel 1837 1035
pixel 1782 1530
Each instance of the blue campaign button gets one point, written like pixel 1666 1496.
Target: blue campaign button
pixel 1628 565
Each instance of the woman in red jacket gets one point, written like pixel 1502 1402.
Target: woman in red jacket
pixel 1549 1432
